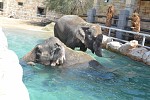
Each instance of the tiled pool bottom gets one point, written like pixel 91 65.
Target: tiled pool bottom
pixel 45 83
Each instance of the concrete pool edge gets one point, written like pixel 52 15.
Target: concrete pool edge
pixel 129 49
pixel 11 72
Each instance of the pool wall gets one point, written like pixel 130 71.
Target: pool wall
pixel 130 49
pixel 11 85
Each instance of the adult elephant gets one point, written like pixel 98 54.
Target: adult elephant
pixel 75 32
pixel 52 52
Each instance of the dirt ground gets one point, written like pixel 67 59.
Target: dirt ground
pixel 27 25
pixel 18 23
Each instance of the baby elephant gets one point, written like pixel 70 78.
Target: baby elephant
pixel 47 53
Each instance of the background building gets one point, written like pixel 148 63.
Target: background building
pixel 140 6
pixel 25 9
pixel 33 9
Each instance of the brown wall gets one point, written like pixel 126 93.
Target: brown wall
pixel 27 11
pixel 144 8
pixel 141 6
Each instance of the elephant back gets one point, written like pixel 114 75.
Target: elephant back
pixel 71 19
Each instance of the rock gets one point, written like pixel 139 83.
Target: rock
pixel 3 40
pixel 11 85
pixel 49 27
pixel 114 46
pixel 134 43
pixel 46 21
pixel 125 48
pixel 106 40
pixel 137 53
pixel 146 58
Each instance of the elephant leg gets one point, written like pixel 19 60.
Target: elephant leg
pixel 83 48
pixel 56 31
pixel 70 44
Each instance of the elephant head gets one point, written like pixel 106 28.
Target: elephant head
pixel 47 53
pixel 91 36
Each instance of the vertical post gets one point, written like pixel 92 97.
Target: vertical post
pixel 96 5
pixel 122 22
pixel 130 5
pixel 143 42
pixel 109 32
pixel 91 15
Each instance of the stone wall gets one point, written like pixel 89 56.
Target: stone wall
pixel 118 5
pixel 28 9
pixel 142 7
pixel 144 12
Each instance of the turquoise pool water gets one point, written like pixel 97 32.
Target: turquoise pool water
pixel 45 83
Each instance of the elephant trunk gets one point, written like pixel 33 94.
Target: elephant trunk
pixel 98 52
pixel 97 45
pixel 30 57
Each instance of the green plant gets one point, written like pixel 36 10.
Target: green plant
pixel 69 6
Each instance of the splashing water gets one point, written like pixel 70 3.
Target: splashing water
pixel 45 83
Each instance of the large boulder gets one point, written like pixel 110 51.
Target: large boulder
pixel 137 53
pixel 127 47
pixel 114 46
pixel 11 85
pixel 146 58
pixel 106 40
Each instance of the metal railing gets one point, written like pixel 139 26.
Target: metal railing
pixel 131 32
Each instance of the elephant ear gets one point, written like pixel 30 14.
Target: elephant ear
pixel 80 34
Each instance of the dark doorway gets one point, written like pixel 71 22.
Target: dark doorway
pixel 20 3
pixel 41 11
pixel 1 6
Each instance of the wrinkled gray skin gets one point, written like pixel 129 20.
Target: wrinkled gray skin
pixel 54 53
pixel 47 53
pixel 75 32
